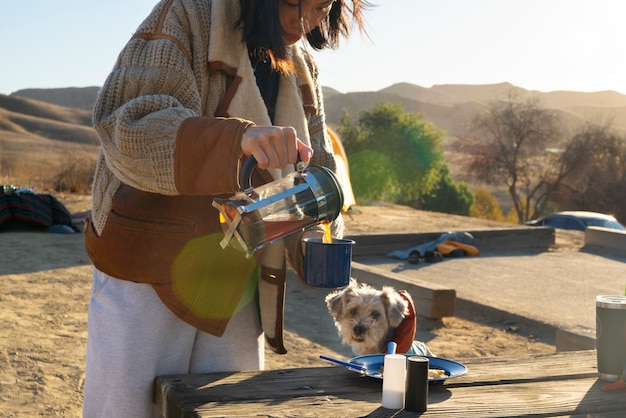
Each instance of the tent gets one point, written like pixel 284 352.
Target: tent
pixel 34 211
pixel 343 171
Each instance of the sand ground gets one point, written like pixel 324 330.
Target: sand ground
pixel 46 278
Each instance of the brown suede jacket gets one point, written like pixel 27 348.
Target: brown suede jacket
pixel 170 118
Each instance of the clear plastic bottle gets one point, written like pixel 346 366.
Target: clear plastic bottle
pixel 394 378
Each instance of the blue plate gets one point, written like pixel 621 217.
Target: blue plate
pixel 374 364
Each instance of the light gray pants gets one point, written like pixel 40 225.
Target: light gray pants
pixel 132 338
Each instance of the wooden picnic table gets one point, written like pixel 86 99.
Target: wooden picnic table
pixel 547 385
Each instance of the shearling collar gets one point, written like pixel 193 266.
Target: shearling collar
pixel 227 51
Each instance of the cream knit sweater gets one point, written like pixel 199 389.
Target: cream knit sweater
pixel 173 69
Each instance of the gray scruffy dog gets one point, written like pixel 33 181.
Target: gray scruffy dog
pixel 367 319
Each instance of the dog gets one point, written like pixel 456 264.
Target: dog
pixel 368 319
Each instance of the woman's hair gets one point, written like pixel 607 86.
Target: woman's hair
pixel 263 33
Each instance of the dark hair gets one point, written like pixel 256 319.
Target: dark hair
pixel 263 33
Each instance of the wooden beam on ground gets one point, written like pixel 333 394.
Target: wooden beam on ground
pixel 610 240
pixel 431 300
pixel 485 240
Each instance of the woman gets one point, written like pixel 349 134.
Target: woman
pixel 201 86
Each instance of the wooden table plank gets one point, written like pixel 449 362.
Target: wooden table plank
pixel 520 398
pixel 512 399
pixel 534 367
pixel 563 384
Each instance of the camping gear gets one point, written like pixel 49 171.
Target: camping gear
pixel 21 209
pixel 343 170
pixel 451 243
pixel 451 248
pixel 256 217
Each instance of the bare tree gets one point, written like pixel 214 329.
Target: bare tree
pixel 595 161
pixel 515 142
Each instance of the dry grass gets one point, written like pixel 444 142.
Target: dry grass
pixel 52 166
pixel 46 147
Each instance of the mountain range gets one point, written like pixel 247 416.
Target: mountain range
pixel 451 106
pixel 58 121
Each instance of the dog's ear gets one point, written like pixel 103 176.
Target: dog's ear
pixel 397 308
pixel 334 303
pixel 336 300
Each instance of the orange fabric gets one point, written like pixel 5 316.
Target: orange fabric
pixel 615 385
pixel 447 247
pixel 405 333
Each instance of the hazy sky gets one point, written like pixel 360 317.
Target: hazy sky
pixel 541 45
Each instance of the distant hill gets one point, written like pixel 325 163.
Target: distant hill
pixel 51 120
pixel 46 120
pixel 451 106
pixel 447 105
pixel 38 140
pixel 78 97
pixel 451 116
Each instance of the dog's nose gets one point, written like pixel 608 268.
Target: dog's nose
pixel 359 329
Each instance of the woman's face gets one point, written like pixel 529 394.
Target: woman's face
pixel 299 17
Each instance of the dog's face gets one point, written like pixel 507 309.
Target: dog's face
pixel 364 316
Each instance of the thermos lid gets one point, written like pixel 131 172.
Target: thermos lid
pixel 611 301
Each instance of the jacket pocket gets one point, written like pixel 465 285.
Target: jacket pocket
pixel 144 234
pixel 135 250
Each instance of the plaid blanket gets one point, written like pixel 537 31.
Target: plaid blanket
pixel 38 209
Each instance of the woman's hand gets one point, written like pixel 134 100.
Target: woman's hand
pixel 274 146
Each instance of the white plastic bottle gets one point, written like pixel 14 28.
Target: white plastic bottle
pixel 394 377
